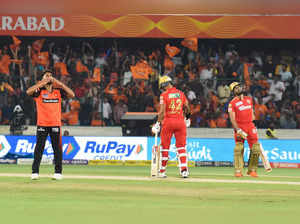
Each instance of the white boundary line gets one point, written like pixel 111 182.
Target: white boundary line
pixel 169 179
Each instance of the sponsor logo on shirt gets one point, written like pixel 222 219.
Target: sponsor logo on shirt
pixel 239 103
pixel 241 108
pixel 174 95
pixel 50 100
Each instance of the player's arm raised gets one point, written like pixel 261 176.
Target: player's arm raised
pixel 37 86
pixel 59 84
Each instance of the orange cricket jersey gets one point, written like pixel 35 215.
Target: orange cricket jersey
pixel 48 106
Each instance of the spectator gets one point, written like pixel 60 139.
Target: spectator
pixel 260 113
pixel 119 110
pixel 287 121
pixel 277 88
pixel 191 94
pixel 269 67
pixel 296 85
pixel 90 70
pixel 85 113
pixel 223 92
pixel 107 112
pixel 286 76
pixel 66 133
pixel 96 120
pixel 222 120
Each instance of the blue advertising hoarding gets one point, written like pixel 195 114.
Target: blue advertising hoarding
pixel 221 149
pixel 87 148
pixel 139 148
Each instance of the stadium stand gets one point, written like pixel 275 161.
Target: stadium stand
pixel 112 76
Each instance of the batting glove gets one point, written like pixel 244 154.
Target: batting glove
pixel 156 128
pixel 187 122
pixel 241 133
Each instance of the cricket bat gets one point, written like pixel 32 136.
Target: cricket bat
pixel 264 159
pixel 155 158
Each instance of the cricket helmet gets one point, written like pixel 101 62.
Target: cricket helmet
pixel 233 85
pixel 164 81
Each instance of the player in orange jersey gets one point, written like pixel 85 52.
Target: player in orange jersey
pixel 174 117
pixel 241 115
pixel 48 93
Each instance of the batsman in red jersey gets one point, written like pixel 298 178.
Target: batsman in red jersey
pixel 241 115
pixel 174 117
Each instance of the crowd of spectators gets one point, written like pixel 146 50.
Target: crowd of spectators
pixel 101 73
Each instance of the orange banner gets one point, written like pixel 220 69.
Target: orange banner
pixel 191 43
pixel 15 44
pixel 172 50
pixel 141 70
pixel 169 26
pixel 186 7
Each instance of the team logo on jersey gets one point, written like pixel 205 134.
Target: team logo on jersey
pixel 45 95
pixel 174 95
pixel 248 101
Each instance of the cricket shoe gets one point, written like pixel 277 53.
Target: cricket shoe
pixel 162 175
pixel 35 176
pixel 252 173
pixel 57 176
pixel 238 174
pixel 185 174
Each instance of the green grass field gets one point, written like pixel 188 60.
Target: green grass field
pixel 170 200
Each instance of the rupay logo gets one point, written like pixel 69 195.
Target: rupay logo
pixel 139 149
pixel 110 147
pixel 4 146
pixel 70 148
